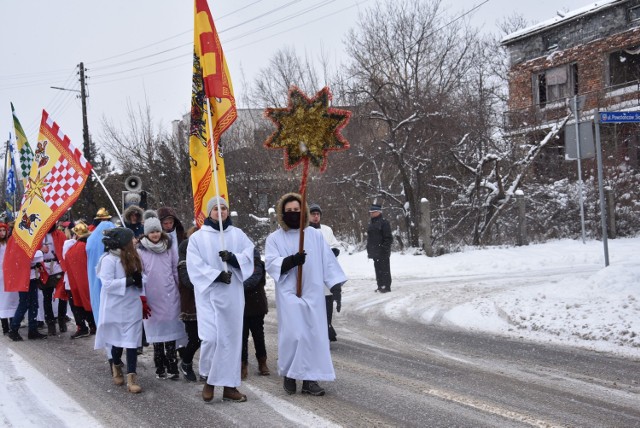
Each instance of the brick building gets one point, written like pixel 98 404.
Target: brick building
pixel 592 51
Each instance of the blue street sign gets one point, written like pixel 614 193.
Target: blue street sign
pixel 619 116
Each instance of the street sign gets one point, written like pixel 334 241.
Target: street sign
pixel 587 149
pixel 620 117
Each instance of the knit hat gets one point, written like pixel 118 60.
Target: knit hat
pixel 149 214
pixel 152 225
pixel 315 208
pixel 117 237
pixel 102 214
pixel 375 207
pixel 213 202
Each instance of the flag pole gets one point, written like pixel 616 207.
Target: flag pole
pixel 108 195
pixel 214 155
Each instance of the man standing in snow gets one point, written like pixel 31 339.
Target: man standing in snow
pixel 303 344
pixel 379 240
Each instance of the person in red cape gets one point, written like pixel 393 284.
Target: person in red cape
pixel 75 261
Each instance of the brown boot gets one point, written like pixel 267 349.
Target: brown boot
pixel 132 384
pixel 207 392
pixel 244 370
pixel 232 394
pixel 262 366
pixel 118 377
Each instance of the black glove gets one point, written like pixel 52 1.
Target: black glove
pixel 224 277
pixel 130 281
pixel 336 251
pixel 292 261
pixel 229 257
pixel 137 279
pixel 336 290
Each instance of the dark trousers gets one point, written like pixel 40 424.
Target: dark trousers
pixel 164 357
pixel 254 324
pixel 81 316
pixel 383 272
pixel 28 302
pixel 47 293
pixel 132 358
pixel 187 353
pixel 5 325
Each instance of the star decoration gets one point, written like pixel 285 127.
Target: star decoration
pixel 35 187
pixel 308 128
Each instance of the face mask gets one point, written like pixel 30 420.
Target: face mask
pixel 292 219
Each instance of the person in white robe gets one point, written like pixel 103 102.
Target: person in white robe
pixel 303 343
pixel 122 304
pixel 217 273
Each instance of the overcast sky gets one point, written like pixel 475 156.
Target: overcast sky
pixel 139 51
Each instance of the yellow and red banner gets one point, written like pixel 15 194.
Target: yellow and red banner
pixel 58 175
pixel 211 81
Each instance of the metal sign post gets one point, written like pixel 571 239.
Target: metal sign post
pixel 603 219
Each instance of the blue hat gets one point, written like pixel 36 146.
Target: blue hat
pixel 375 207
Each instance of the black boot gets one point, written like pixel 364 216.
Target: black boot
pixel 15 336
pixel 312 387
pixel 172 369
pixel 35 335
pixel 62 323
pixel 51 328
pixel 5 326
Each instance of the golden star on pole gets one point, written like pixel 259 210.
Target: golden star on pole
pixel 308 128
pixel 35 188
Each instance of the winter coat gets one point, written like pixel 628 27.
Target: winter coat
pixel 255 298
pixel 379 238
pixel 163 298
pixel 76 263
pixel 187 297
pixel 120 320
pixel 164 212
pixel 138 228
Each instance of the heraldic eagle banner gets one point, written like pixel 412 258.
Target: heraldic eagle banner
pixel 58 174
pixel 211 81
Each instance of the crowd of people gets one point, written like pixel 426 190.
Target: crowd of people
pixel 151 282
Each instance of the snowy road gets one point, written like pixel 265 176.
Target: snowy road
pixel 389 374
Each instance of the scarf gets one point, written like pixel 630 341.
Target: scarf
pixel 216 225
pixel 158 248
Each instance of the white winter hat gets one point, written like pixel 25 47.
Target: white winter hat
pixel 152 225
pixel 213 202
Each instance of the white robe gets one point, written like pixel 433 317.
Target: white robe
pixel 303 343
pixel 8 300
pixel 120 322
pixel 220 307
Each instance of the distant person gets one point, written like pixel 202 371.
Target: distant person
pixel 303 343
pixel 314 221
pixel 172 226
pixel 8 300
pixel 76 263
pixel 217 274
pixel 256 307
pixel 379 240
pixel 54 288
pixel 28 303
pixel 133 220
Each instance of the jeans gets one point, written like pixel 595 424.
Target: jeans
pixel 28 302
pixel 132 358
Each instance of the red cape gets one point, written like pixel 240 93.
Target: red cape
pixel 76 264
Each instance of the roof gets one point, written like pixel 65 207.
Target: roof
pixel 559 20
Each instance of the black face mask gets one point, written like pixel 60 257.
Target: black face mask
pixel 291 219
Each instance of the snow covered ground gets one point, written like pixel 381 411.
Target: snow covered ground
pixel 558 292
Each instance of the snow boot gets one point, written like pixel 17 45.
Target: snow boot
pixel 232 394
pixel 262 366
pixel 207 392
pixel 132 384
pixel 118 377
pixel 35 335
pixel 81 331
pixel 289 385
pixel 51 328
pixel 15 336
pixel 62 323
pixel 311 387
pixel 244 370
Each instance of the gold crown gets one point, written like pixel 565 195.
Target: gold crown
pixel 102 214
pixel 81 229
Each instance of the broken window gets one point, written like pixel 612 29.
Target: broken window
pixel 624 66
pixel 555 84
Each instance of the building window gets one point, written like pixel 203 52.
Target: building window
pixel 624 66
pixel 634 13
pixel 556 84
